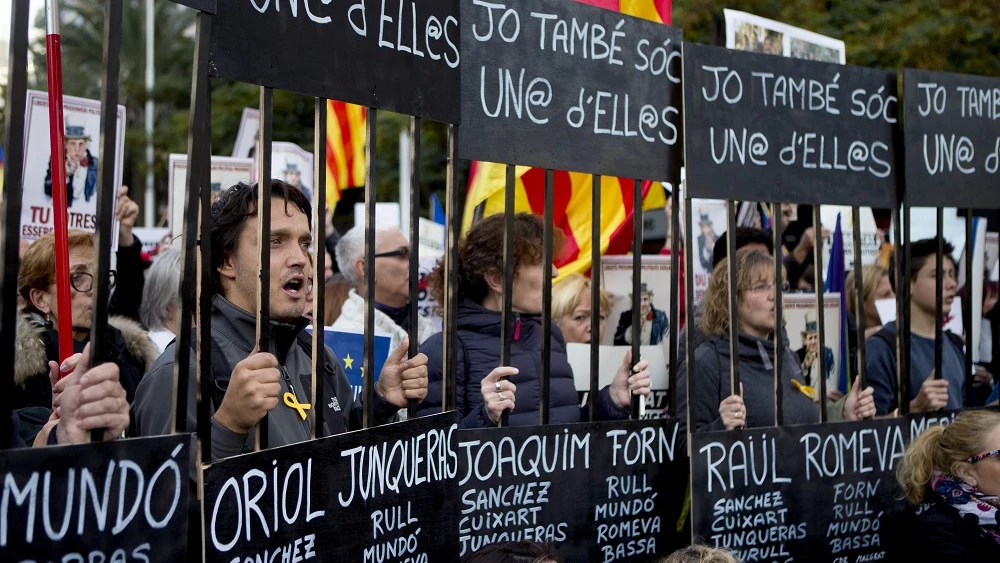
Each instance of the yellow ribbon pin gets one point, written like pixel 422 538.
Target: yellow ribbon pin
pixel 294 403
pixel 805 390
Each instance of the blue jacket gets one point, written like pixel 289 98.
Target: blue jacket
pixel 479 339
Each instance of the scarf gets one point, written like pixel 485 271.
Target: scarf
pixel 399 315
pixel 970 503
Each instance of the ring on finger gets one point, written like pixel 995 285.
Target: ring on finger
pixel 497 386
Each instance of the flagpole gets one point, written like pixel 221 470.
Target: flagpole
pixel 60 215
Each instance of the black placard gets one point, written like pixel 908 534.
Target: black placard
pixel 605 491
pixel 564 85
pixel 804 493
pixel 952 133
pixel 126 500
pixel 767 128
pixel 387 493
pixel 398 55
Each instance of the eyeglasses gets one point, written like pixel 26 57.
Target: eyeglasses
pixel 83 282
pixel 982 456
pixel 402 252
pixel 769 287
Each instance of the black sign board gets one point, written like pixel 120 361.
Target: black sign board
pixel 767 128
pixel 398 55
pixel 804 493
pixel 126 500
pixel 605 491
pixel 388 493
pixel 952 132
pixel 564 85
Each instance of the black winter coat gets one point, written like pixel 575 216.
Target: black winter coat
pixel 940 534
pixel 479 339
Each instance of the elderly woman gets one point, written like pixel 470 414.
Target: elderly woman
pixel 127 344
pixel 571 308
pixel 161 300
pixel 956 470
pixel 715 405
pixel 482 394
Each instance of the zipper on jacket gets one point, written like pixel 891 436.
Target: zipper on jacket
pixel 288 381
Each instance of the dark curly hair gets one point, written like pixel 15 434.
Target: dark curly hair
pixel 481 252
pixel 233 208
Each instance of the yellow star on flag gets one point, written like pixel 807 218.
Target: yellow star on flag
pixel 348 362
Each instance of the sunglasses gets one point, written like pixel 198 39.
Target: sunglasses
pixel 402 252
pixel 982 456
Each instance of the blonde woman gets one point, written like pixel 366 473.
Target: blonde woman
pixel 875 285
pixel 571 308
pixel 956 470
pixel 715 405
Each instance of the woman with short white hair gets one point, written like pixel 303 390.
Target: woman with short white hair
pixel 161 299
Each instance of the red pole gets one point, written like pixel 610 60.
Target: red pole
pixel 53 59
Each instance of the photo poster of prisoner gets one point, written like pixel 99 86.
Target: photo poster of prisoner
pixel 747 32
pixel 226 172
pixel 82 122
pixel 978 281
pixel 610 359
pixel 616 279
pixel 801 324
pixel 871 238
pixel 709 218
pixel 293 164
pixel 246 136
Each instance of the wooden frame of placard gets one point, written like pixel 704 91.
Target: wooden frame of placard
pixel 727 182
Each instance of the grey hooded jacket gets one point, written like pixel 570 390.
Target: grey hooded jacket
pixel 234 331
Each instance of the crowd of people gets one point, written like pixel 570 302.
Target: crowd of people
pixel 129 392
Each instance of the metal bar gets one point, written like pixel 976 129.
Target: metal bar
pixel 820 309
pixel 675 280
pixel 779 278
pixel 450 347
pixel 595 292
pixel 859 297
pixel 369 361
pixel 193 277
pixel 17 92
pixel 319 266
pixel 904 358
pixel 414 334
pixel 901 309
pixel 107 192
pixel 547 259
pixel 938 292
pixel 734 331
pixel 636 400
pixel 967 309
pixel 507 314
pixel 689 313
pixel 263 241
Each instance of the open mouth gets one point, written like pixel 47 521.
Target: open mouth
pixel 295 287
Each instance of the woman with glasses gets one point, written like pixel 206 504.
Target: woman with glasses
pixel 715 405
pixel 955 471
pixel 127 345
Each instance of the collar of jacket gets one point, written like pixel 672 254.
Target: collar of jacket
pixel 241 326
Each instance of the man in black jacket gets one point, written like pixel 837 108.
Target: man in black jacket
pixel 261 382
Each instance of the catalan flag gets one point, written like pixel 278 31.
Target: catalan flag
pixel 345 148
pixel 572 194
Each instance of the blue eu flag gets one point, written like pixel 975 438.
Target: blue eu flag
pixel 349 347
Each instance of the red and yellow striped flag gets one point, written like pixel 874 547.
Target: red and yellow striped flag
pixel 572 194
pixel 345 149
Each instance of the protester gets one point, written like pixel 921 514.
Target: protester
pixel 161 300
pixel 953 471
pixel 337 289
pixel 700 554
pixel 800 257
pixel 715 406
pixel 514 552
pixel 875 286
pixel 392 285
pixel 126 343
pixel 927 393
pixel 571 308
pixel 255 383
pixel 482 395
pixel 746 237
